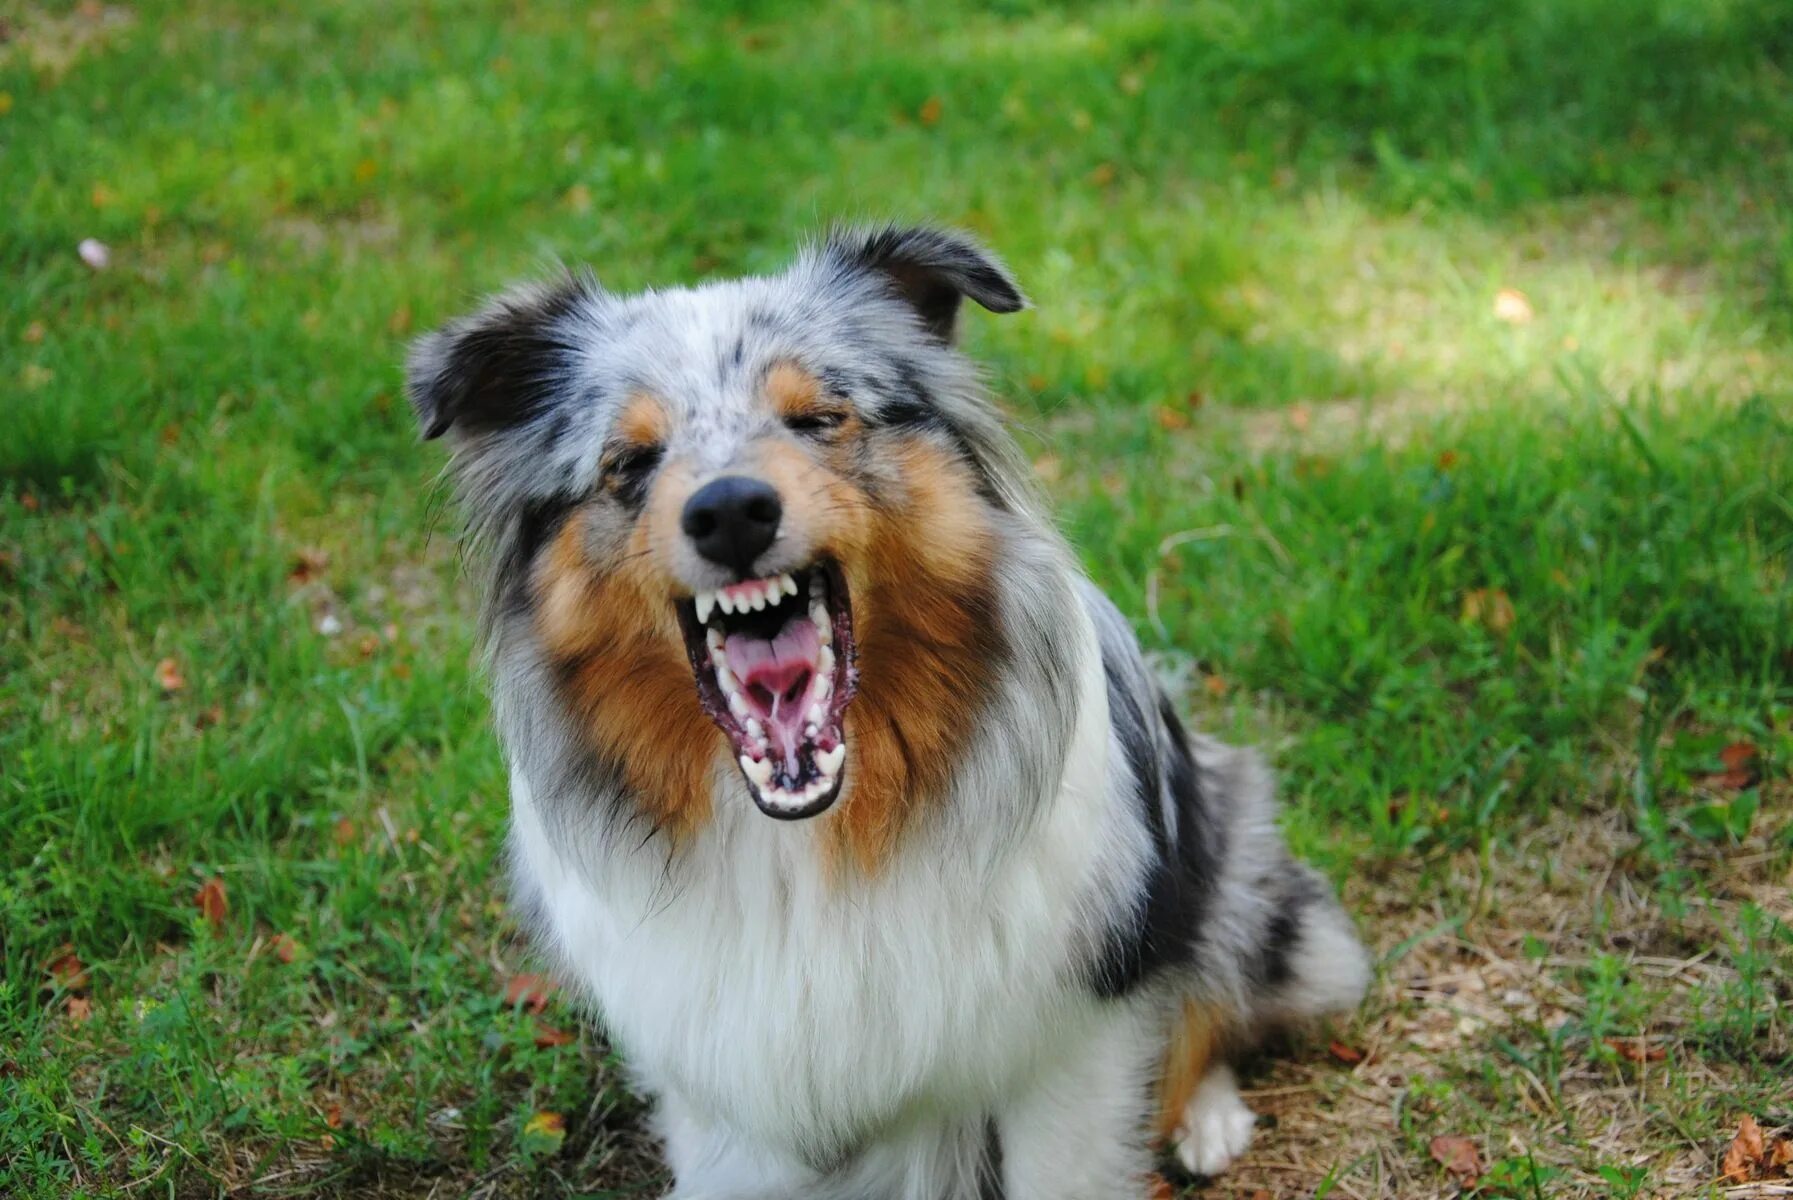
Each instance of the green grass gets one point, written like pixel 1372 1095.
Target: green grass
pixel 1463 577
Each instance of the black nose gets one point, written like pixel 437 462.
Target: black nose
pixel 732 520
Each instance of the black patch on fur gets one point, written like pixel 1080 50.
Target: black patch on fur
pixel 914 408
pixel 1295 893
pixel 1162 931
pixel 989 1167
pixel 931 270
pixel 498 368
pixel 536 526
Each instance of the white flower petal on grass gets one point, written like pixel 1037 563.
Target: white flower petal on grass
pixel 94 253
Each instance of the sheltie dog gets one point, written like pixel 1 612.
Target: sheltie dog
pixel 837 788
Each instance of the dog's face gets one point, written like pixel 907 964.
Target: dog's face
pixel 765 508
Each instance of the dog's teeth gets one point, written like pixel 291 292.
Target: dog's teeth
pixel 758 769
pixel 757 601
pixel 755 730
pixel 811 730
pixel 705 601
pixel 828 762
pixel 725 602
pixel 825 663
pixel 737 704
pixel 822 688
pixel 818 616
pixel 787 584
pixel 714 638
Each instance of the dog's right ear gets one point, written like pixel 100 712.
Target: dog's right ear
pixel 496 368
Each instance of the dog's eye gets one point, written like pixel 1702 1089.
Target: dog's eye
pixel 815 422
pixel 627 473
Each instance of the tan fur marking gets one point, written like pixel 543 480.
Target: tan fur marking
pixel 623 669
pixel 919 576
pixel 643 421
pixel 1195 1035
pixel 792 390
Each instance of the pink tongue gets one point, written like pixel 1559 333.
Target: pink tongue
pixel 776 677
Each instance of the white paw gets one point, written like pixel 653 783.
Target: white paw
pixel 1216 1125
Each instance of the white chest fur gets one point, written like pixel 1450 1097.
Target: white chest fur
pixel 806 1012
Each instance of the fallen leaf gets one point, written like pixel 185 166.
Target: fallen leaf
pixel 80 1008
pixel 1780 1156
pixel 308 564
pixel 929 113
pixel 1743 1157
pixel 94 253
pixel 345 831
pixel 333 1116
pixel 66 970
pixel 169 677
pixel 1636 1050
pixel 1344 1053
pixel 1048 467
pixel 213 902
pixel 285 948
pixel 1102 175
pixel 578 198
pixel 5 103
pixel 1741 767
pixel 1511 306
pixel 1459 1156
pixel 1172 419
pixel 1214 685
pixel 1447 460
pixel 365 170
pixel 531 991
pixel 1489 607
pixel 543 1134
pixel 34 376
pixel 547 1035
pixel 34 333
pixel 399 323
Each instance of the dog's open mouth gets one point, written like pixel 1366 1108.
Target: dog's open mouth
pixel 775 671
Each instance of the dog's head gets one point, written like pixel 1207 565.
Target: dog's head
pixel 767 507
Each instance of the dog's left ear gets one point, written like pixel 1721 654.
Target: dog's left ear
pixel 933 270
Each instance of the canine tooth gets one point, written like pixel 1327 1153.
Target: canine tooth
pixel 829 761
pixel 788 584
pixel 758 769
pixel 705 601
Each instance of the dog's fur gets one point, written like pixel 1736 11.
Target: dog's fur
pixel 1014 958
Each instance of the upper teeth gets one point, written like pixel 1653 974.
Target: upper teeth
pixel 753 596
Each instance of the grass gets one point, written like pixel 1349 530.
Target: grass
pixel 1495 593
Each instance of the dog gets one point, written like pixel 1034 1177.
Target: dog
pixel 842 794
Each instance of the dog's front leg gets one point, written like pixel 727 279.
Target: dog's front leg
pixel 710 1162
pixel 1080 1129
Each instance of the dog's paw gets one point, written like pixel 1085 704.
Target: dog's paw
pixel 1216 1125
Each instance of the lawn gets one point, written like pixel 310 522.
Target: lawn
pixel 1419 378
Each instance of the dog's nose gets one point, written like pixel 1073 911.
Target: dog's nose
pixel 732 520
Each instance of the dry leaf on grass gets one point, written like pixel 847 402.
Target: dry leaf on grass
pixel 169 677
pixel 80 1008
pixel 1750 1157
pixel 285 948
pixel 66 970
pixel 1490 607
pixel 1636 1050
pixel 931 108
pixel 532 991
pixel 1349 1055
pixel 547 1035
pixel 1459 1156
pixel 1742 767
pixel 213 902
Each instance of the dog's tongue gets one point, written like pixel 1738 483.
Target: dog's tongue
pixel 777 677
